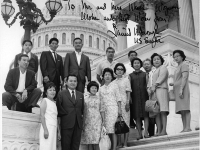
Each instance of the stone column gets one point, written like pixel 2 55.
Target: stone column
pixel 195 10
pixel 150 16
pixel 186 18
pixel 121 40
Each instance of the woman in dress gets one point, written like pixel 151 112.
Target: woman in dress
pixel 159 89
pixel 139 96
pixel 110 105
pixel 181 89
pixel 125 90
pixel 92 118
pixel 48 113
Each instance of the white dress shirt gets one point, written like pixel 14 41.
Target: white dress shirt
pixel 78 56
pixel 53 54
pixel 70 91
pixel 29 54
pixel 22 79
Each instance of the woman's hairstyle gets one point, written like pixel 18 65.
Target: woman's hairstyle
pixel 181 53
pixel 119 64
pixel 92 83
pixel 110 71
pixel 141 64
pixel 161 58
pixel 47 86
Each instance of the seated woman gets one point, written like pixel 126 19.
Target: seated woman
pixel 159 89
pixel 49 125
pixel 110 105
pixel 181 89
pixel 92 118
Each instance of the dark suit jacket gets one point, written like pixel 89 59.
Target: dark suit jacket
pixel 69 110
pixel 49 67
pixel 33 62
pixel 71 66
pixel 12 81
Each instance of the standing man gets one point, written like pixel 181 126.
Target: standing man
pixel 51 65
pixel 149 73
pixel 78 64
pixel 27 46
pixel 70 104
pixel 108 63
pixel 21 86
pixel 131 56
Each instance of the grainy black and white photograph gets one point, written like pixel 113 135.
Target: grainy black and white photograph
pixel 100 74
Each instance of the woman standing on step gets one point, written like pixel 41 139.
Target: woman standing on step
pixel 139 96
pixel 160 90
pixel 181 89
pixel 48 112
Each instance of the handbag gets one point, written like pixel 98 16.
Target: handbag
pixel 152 105
pixel 120 126
pixel 104 143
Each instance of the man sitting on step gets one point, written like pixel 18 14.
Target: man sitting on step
pixel 21 86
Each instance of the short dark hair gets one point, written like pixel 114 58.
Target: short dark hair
pixel 156 54
pixel 47 86
pixel 110 71
pixel 141 64
pixel 147 59
pixel 22 55
pixel 72 75
pixel 27 41
pixel 92 83
pixel 181 53
pixel 53 39
pixel 110 48
pixel 119 64
pixel 130 52
pixel 77 38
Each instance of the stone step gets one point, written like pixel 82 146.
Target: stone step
pixel 191 148
pixel 187 144
pixel 166 138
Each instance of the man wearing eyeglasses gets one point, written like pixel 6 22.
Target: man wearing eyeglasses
pixel 108 63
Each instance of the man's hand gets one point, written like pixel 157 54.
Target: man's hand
pixel 19 98
pixel 24 95
pixel 46 79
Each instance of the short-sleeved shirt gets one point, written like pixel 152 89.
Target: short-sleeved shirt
pixel 105 64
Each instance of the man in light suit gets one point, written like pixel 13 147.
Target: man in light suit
pixel 33 59
pixel 70 105
pixel 21 86
pixel 51 65
pixel 79 64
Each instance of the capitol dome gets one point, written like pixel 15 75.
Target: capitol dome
pixel 68 25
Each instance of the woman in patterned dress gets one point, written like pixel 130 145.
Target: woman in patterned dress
pixel 181 89
pixel 139 96
pixel 110 105
pixel 125 90
pixel 160 90
pixel 92 118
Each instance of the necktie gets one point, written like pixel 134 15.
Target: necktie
pixel 54 56
pixel 147 77
pixel 73 96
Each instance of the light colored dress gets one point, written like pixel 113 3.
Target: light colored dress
pixel 92 121
pixel 124 86
pixel 160 76
pixel 51 123
pixel 109 96
pixel 181 104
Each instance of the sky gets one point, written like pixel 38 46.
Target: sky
pixel 10 38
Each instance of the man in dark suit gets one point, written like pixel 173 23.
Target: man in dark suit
pixel 51 65
pixel 33 59
pixel 79 64
pixel 70 104
pixel 21 86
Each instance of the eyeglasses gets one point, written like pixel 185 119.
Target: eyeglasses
pixel 120 69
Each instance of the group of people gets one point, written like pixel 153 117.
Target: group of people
pixel 69 116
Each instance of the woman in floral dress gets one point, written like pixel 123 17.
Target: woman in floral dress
pixel 92 118
pixel 125 90
pixel 110 105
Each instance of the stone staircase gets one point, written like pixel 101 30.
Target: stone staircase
pixel 181 141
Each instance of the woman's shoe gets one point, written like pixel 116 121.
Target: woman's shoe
pixel 139 138
pixel 146 136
